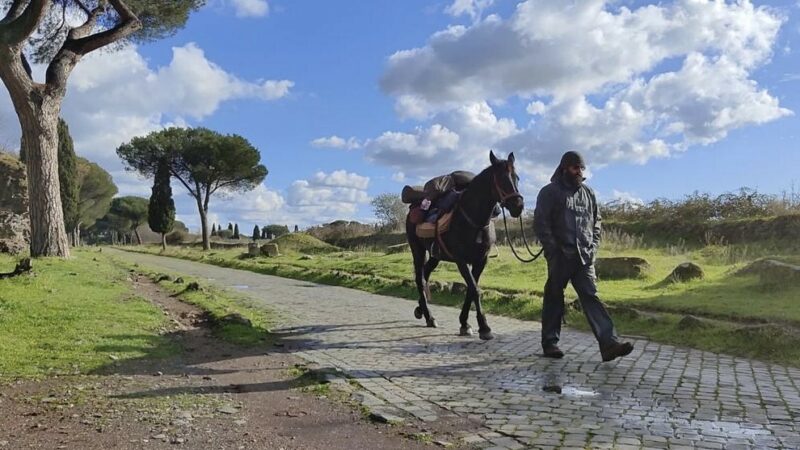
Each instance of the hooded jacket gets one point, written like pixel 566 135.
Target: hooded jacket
pixel 567 220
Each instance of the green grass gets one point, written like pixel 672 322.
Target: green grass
pixel 74 316
pixel 217 304
pixel 515 289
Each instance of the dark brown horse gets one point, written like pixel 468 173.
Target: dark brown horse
pixel 468 240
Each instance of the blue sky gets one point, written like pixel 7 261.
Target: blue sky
pixel 663 98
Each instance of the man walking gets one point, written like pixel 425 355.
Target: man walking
pixel 567 223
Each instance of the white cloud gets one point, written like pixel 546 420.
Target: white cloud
pixel 399 177
pixel 336 142
pixel 114 96
pixel 472 8
pixel 322 198
pixel 424 148
pixel 568 49
pixel 250 8
pixel 340 179
pixel 536 108
pixel 618 84
pixel 327 196
pixel 626 197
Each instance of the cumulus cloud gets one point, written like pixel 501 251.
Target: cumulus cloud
pixel 328 196
pixel 563 49
pixel 619 84
pixel 250 8
pixel 336 142
pixel 113 97
pixel 323 197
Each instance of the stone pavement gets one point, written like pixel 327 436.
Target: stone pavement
pixel 660 396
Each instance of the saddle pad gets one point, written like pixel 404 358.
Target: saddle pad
pixel 428 230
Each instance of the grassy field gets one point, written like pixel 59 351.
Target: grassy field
pixel 74 316
pixel 744 317
pixel 80 315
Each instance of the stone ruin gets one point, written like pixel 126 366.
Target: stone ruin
pixel 14 221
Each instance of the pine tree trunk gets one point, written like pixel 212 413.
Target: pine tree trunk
pixel 138 238
pixel 40 143
pixel 164 241
pixel 204 225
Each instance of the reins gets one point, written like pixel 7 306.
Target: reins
pixel 503 197
pixel 524 240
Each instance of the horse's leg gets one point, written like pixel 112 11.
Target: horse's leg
pixel 472 292
pixel 463 318
pixel 484 330
pixel 419 254
pixel 430 266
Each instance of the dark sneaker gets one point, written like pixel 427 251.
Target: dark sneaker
pixel 552 351
pixel 616 350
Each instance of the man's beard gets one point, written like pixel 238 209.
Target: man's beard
pixel 573 180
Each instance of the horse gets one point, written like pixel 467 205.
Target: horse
pixel 467 241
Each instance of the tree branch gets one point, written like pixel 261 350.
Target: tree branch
pixel 85 9
pixel 87 27
pixel 17 6
pixel 20 28
pixel 185 184
pixel 128 24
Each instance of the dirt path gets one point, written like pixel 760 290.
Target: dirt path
pixel 212 396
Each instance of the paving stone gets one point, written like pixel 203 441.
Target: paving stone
pixel 657 396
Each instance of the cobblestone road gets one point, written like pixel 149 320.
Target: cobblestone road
pixel 658 397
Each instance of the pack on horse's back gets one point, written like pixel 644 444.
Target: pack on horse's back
pixel 463 234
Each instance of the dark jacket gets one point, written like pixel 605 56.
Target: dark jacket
pixel 567 220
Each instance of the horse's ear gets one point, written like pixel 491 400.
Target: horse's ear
pixel 511 158
pixel 492 158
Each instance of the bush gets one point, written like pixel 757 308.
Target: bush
pixel 178 237
pixel 341 229
pixel 698 207
pixel 225 234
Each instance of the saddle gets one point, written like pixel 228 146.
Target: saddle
pixel 434 190
pixel 427 230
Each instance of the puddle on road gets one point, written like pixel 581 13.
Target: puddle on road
pixel 569 391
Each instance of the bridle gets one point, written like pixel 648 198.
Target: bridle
pixel 503 196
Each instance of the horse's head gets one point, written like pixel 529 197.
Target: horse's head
pixel 504 184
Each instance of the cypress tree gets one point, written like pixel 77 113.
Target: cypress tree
pixel 68 179
pixel 236 231
pixel 213 229
pixel 256 233
pixel 230 227
pixel 161 210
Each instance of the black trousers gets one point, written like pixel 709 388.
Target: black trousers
pixel 562 269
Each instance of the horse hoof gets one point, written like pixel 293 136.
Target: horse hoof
pixel 432 324
pixel 465 331
pixel 486 335
pixel 418 312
